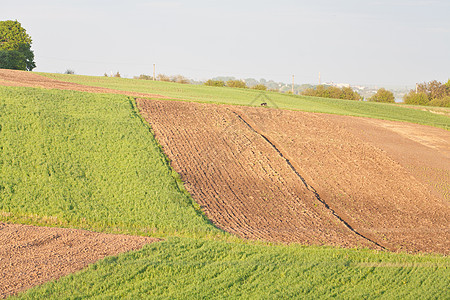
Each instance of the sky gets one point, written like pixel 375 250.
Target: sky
pixel 367 42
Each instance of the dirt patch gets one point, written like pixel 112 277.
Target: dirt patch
pixel 31 255
pixel 297 177
pixel 423 150
pixel 29 79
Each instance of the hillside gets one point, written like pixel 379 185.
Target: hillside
pixel 77 159
pixel 248 97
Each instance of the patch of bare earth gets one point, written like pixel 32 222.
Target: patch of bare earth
pixel 29 79
pixel 31 255
pixel 290 176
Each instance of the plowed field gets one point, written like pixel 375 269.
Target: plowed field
pixel 32 255
pixel 289 176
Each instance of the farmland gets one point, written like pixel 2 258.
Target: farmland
pixel 199 93
pixel 81 160
pixel 86 160
pixel 270 174
pixel 186 268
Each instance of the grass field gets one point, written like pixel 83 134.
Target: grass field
pixel 225 95
pixel 181 268
pixel 85 160
pixel 74 159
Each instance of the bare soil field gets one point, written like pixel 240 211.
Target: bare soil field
pixel 31 255
pixel 28 79
pixel 288 176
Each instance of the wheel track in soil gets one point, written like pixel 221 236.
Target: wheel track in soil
pixel 270 204
pixel 308 186
pixel 287 176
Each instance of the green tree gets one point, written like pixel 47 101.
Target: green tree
pixel 236 84
pixel 420 98
pixel 211 82
pixel 260 87
pixel 383 95
pixel 332 92
pixel 15 47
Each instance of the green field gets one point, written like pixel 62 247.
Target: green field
pixel 225 95
pixel 74 159
pixel 85 160
pixel 181 268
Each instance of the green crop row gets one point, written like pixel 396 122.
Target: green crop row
pixel 183 268
pixel 251 97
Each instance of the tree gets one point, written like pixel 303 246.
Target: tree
pixel 419 98
pixel 15 47
pixel 211 82
pixel 332 92
pixel 431 93
pixel 383 95
pixel 236 84
pixel 260 87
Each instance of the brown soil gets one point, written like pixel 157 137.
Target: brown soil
pixel 423 150
pixel 28 79
pixel 267 174
pixel 301 177
pixel 32 255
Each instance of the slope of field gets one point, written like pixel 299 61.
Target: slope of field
pixel 199 269
pixel 248 97
pixel 74 159
pixel 422 150
pixel 78 159
pixel 295 177
pixel 28 79
pixel 32 255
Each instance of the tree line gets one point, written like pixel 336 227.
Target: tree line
pixel 433 93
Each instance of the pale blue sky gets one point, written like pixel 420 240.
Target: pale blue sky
pixel 358 42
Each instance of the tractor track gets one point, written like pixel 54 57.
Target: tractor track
pixel 308 186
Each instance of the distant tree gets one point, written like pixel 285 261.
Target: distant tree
pixel 431 93
pixel 69 71
pixel 236 84
pixel 211 82
pixel 448 84
pixel 144 77
pixel 443 102
pixel 260 87
pixel 349 94
pixel 15 47
pixel 434 89
pixel 117 75
pixel 332 92
pixel 383 95
pixel 420 98
pixel 162 77
pixel 179 79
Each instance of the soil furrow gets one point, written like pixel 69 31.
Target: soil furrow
pixel 308 186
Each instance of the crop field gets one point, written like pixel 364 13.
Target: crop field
pixel 289 176
pixel 180 268
pixel 223 95
pixel 245 202
pixel 84 160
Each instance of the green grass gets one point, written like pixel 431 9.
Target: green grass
pixel 225 95
pixel 85 160
pixel 74 159
pixel 182 268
